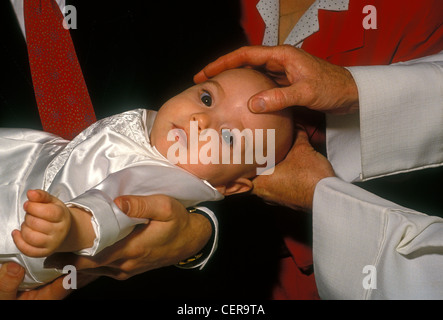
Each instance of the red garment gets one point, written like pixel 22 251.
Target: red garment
pixel 405 30
pixel 60 90
pixel 252 22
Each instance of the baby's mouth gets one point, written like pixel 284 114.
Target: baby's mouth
pixel 180 135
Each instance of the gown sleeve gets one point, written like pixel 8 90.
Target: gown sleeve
pixel 111 224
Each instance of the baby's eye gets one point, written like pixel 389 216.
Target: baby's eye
pixel 206 98
pixel 227 136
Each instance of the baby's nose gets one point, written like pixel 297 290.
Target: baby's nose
pixel 203 120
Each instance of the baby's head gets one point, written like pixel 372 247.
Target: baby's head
pixel 204 128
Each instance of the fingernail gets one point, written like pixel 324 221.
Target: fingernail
pixel 123 205
pixel 13 269
pixel 258 105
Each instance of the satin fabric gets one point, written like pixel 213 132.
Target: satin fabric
pixel 110 158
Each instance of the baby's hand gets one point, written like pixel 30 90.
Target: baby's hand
pixel 45 227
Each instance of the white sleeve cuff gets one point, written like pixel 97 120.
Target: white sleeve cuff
pixel 343 145
pixel 401 117
pixel 215 243
pixel 109 222
pixel 207 255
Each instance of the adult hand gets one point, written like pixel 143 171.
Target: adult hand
pixel 293 182
pixel 306 80
pixel 12 274
pixel 173 234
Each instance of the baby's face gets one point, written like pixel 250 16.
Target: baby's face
pixel 218 105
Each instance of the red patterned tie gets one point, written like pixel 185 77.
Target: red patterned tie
pixel 60 90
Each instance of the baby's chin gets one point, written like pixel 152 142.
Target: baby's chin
pixel 203 172
pixel 193 169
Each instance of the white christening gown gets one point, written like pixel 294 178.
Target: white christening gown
pixel 110 158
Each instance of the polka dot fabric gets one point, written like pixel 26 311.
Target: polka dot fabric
pixel 64 104
pixel 306 26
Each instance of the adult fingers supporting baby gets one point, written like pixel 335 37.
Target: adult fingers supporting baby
pixel 51 291
pixel 60 260
pixel 280 98
pixel 111 272
pixel 156 207
pixel 11 275
pixel 294 179
pixel 274 61
pixel 121 269
pixel 311 82
pixel 103 271
pixel 171 236
pixel 54 290
pixel 106 257
pixel 253 56
pixel 106 263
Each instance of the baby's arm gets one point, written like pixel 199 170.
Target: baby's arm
pixel 50 226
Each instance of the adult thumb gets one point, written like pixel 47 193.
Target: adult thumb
pixel 144 207
pixel 133 206
pixel 11 275
pixel 272 100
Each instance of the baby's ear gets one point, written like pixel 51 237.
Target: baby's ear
pixel 239 185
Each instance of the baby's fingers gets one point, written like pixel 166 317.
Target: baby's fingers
pixel 45 211
pixel 38 224
pixel 41 196
pixel 32 245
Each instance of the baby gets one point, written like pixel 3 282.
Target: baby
pixel 71 184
